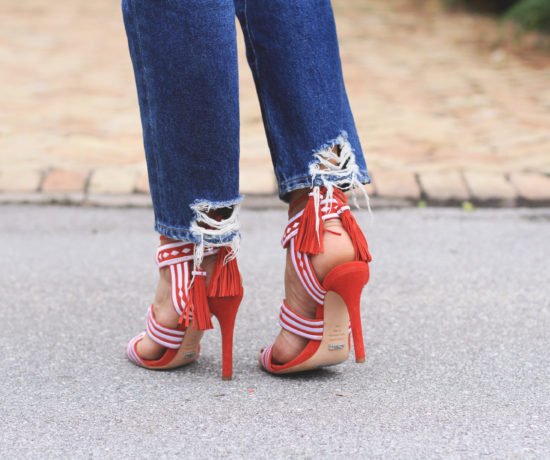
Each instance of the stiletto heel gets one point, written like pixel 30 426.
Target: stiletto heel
pixel 225 310
pixel 348 281
pixel 337 297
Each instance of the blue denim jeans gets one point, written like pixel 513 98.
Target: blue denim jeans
pixel 184 55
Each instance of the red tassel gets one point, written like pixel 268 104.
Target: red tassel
pixel 199 302
pixel 356 235
pixel 308 240
pixel 340 196
pixel 226 279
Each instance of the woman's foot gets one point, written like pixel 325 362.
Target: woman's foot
pixel 164 311
pixel 338 249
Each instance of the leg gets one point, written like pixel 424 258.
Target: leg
pixel 185 64
pixel 292 49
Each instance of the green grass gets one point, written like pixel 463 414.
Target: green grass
pixel 531 14
pixel 528 14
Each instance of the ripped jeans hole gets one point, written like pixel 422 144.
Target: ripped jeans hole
pixel 334 165
pixel 215 225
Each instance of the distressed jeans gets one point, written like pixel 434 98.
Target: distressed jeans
pixel 184 55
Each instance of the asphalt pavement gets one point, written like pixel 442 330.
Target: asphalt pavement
pixel 457 328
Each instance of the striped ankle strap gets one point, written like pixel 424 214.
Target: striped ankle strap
pixel 177 253
pixel 179 257
pixel 329 209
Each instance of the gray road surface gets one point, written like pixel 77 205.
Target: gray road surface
pixel 457 320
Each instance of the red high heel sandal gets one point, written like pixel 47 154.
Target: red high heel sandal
pixel 337 297
pixel 194 304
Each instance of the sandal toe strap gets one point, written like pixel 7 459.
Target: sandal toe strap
pixel 308 328
pixel 131 351
pixel 265 358
pixel 164 336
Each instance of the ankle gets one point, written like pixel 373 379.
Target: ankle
pixel 338 249
pixel 298 201
pixel 337 244
pixel 162 304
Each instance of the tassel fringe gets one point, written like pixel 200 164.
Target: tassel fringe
pixel 357 237
pixel 226 279
pixel 309 239
pixel 199 303
pixel 351 226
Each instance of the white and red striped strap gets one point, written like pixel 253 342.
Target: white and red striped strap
pixel 178 252
pixel 302 265
pixel 180 283
pixel 164 336
pixel 265 358
pixel 330 209
pixel 291 229
pixel 300 325
pixel 178 257
pixel 131 350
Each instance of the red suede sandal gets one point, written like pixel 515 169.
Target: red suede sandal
pixel 337 297
pixel 194 304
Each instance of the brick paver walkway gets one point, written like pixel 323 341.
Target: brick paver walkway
pixel 443 115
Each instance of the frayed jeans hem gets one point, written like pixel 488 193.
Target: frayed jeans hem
pixel 305 181
pixel 176 233
pixel 191 236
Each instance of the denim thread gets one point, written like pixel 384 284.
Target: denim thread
pixel 212 232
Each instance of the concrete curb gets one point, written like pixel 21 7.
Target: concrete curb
pixel 251 201
pixel 390 188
